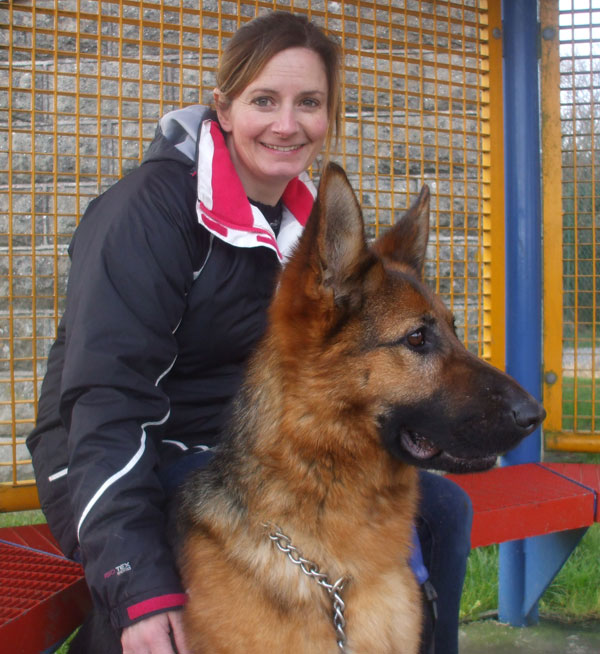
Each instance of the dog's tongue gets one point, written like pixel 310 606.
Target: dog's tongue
pixel 418 446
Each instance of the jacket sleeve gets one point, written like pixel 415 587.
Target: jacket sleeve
pixel 133 258
pixel 48 446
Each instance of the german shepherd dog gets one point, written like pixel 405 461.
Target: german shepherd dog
pixel 296 537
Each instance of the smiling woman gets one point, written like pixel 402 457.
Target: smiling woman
pixel 277 125
pixel 253 47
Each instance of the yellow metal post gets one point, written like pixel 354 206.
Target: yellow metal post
pixel 18 498
pixel 552 215
pixel 494 239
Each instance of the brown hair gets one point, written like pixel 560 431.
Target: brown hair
pixel 256 42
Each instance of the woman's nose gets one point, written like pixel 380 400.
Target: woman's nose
pixel 285 122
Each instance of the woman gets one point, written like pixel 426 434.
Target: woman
pixel 172 272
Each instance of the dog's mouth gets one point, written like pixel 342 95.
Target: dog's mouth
pixel 418 446
pixel 424 453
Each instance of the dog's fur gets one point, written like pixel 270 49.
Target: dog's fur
pixel 359 379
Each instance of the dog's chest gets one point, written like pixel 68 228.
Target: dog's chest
pixel 375 613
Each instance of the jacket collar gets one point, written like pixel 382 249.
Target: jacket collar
pixel 224 209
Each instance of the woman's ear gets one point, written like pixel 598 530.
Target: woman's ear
pixel 222 106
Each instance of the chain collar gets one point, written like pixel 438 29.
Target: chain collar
pixel 334 590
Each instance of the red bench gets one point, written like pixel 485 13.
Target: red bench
pixel 43 596
pixel 531 499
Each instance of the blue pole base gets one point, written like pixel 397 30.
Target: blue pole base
pixel 527 568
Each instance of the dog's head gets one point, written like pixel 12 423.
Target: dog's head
pixel 370 343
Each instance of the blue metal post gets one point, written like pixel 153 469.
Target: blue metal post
pixel 523 207
pixel 523 259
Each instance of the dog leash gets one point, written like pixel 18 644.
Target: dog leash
pixel 284 544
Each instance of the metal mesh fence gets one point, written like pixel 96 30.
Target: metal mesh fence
pixel 574 403
pixel 82 84
pixel 580 119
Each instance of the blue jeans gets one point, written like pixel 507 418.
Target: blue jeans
pixel 444 528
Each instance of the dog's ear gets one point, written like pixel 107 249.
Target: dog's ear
pixel 406 241
pixel 342 247
pixel 327 275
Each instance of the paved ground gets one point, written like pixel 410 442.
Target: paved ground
pixel 490 637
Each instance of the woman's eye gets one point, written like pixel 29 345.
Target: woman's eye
pixel 261 102
pixel 416 339
pixel 310 102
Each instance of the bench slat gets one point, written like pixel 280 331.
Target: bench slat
pixel 520 501
pixel 587 474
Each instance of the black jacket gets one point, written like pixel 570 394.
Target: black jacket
pixel 167 296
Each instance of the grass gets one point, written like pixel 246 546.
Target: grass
pixel 573 596
pixel 18 518
pixel 480 592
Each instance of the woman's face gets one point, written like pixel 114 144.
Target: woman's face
pixel 277 125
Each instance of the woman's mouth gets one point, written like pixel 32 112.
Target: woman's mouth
pixel 283 148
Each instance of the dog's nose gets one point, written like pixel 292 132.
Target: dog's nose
pixel 529 414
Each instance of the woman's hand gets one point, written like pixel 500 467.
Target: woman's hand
pixel 158 634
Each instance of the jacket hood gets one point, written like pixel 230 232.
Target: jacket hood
pixel 192 135
pixel 176 136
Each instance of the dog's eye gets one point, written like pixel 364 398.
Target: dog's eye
pixel 416 339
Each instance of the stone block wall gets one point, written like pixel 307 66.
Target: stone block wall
pixel 84 84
